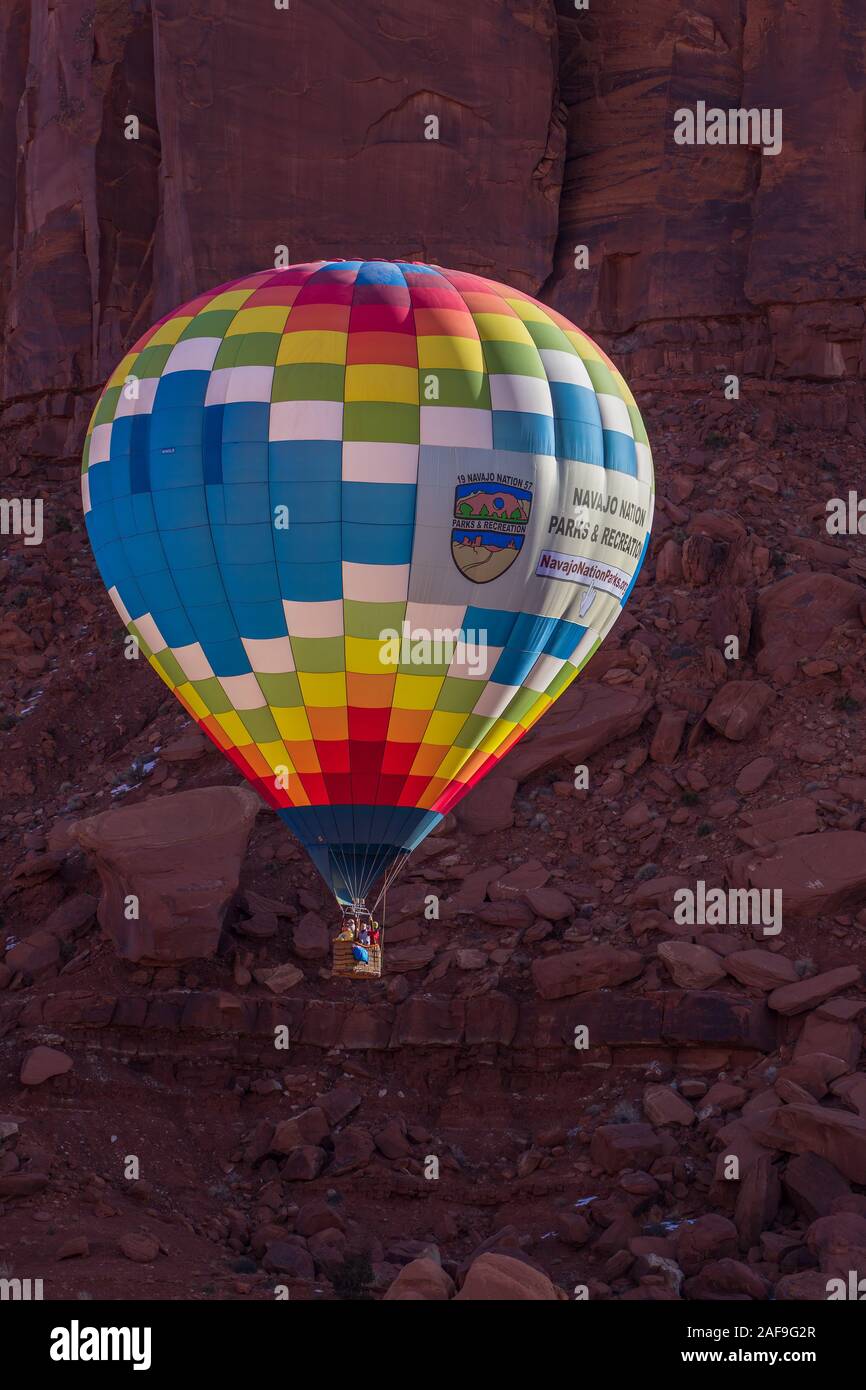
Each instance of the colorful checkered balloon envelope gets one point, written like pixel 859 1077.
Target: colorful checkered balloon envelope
pixel 367 519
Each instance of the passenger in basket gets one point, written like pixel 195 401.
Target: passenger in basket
pixel 375 934
pixel 348 932
pixel 364 934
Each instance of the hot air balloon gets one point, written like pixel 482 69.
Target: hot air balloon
pixel 367 520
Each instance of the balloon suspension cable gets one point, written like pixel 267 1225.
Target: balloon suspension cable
pixel 390 875
pixel 362 877
pixel 343 865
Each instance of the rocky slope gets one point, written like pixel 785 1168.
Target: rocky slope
pixel 600 1164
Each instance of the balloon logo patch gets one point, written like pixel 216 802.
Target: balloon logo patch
pixel 489 529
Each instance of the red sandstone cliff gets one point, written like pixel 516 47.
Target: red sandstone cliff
pixel 306 128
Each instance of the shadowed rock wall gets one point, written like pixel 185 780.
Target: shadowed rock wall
pixel 306 128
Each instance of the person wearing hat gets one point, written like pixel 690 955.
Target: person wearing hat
pixel 349 930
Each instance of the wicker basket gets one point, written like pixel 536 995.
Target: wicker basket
pixel 344 962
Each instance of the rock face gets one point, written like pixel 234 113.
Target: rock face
pixel 737 707
pixel 141 1249
pixel 663 1106
pixel 806 994
pixel 835 1135
pixel 310 937
pixel 180 856
pixel 488 806
pixel 713 249
pixel 761 969
pixel 421 1281
pixel 691 966
pixel 586 718
pixel 310 1127
pixel 43 1063
pixel 323 147
pixel 617 1147
pixel 812 1185
pixel 494 1278
pixel 583 720
pixel 153 220
pixel 709 1238
pixel 815 873
pixel 797 615
pixel 573 972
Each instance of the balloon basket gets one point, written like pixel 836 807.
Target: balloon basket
pixel 345 965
